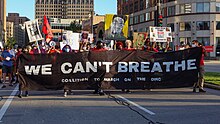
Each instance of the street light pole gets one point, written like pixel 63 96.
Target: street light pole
pixel 91 21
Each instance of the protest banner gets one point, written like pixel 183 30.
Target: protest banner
pixel 71 39
pixel 139 39
pixel 33 31
pixel 109 70
pixel 160 34
pixel 116 27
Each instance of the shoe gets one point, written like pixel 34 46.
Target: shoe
pixel 101 93
pixel 19 96
pixel 122 90
pixel 3 86
pixel 95 92
pixel 26 95
pixel 65 94
pixel 128 91
pixel 11 85
pixel 194 90
pixel 202 90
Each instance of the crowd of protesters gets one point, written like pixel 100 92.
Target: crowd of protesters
pixel 9 57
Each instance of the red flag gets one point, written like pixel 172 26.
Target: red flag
pixel 47 29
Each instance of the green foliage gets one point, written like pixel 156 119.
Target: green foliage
pixel 212 77
pixel 75 27
pixel 10 42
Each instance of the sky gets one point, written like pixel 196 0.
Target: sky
pixel 26 7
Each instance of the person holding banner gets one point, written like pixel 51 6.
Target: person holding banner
pixel 201 74
pixel 66 49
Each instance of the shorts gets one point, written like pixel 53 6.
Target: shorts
pixel 6 69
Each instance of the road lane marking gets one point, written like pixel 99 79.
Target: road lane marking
pixel 8 102
pixel 135 104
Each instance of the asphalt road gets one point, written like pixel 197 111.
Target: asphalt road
pixel 169 106
pixel 212 66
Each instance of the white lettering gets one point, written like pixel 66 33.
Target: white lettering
pixel 156 67
pixel 133 66
pixel 145 66
pixel 68 71
pixel 191 65
pixel 34 69
pixel 107 66
pixel 89 67
pixel 78 68
pixel 181 65
pixel 46 69
pixel 167 64
pixel 122 67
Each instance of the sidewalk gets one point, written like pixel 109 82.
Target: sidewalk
pixel 212 86
pixel 212 61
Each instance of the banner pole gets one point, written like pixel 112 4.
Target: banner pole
pixel 38 47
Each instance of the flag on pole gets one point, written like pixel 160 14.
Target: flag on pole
pixel 47 29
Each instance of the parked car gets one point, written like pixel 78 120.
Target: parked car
pixel 218 50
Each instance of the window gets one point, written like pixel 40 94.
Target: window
pixel 204 40
pixel 135 19
pixel 141 5
pixel 185 8
pixel 185 26
pixel 136 6
pixel 147 16
pixel 217 40
pixel 131 8
pixel 172 26
pixel 171 10
pixel 185 40
pixel 203 25
pixel 131 20
pixel 142 18
pixel 217 25
pixel 217 7
pixel 202 7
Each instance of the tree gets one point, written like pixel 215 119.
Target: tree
pixel 75 27
pixel 10 42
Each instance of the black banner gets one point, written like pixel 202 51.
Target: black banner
pixel 109 70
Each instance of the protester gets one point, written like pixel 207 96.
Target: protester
pixel 66 49
pixel 148 46
pixel 119 45
pixel 19 52
pixel 54 49
pixel 201 74
pixel 7 66
pixel 129 45
pixel 99 48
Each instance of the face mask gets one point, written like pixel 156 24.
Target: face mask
pixel 67 50
pixel 193 45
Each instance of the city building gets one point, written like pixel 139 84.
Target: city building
pixel 2 21
pixel 189 19
pixel 18 30
pixel 93 20
pixel 10 29
pixel 64 9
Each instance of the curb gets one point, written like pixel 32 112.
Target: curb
pixel 208 85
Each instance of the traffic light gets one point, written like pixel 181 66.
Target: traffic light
pixel 160 21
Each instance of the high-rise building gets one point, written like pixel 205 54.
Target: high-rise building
pixel 64 9
pixel 10 29
pixel 188 19
pixel 18 31
pixel 2 20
